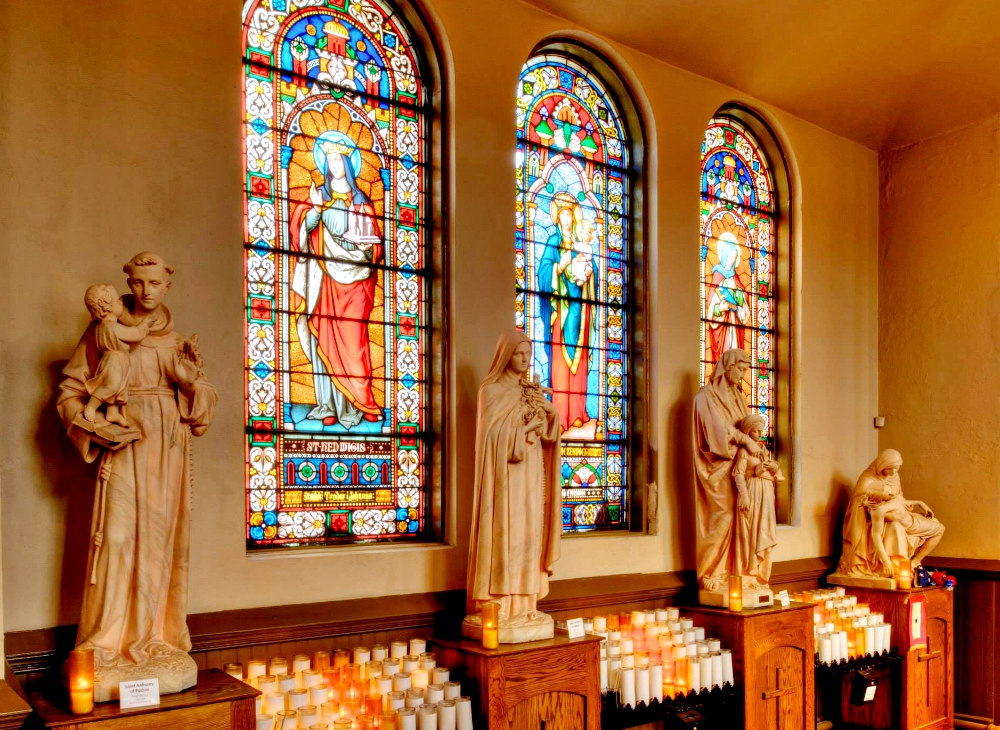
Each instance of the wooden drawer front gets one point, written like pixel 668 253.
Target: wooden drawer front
pixel 561 671
pixel 928 680
pixel 780 678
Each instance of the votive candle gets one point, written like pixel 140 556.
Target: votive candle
pixel 318 694
pixel 735 593
pixel 321 661
pixel 341 657
pixel 452 690
pixel 311 678
pixel 446 715
pixel 491 623
pixel 440 675
pixel 255 668
pixel 286 720
pixel 80 675
pixel 401 681
pixel 387 721
pixel 408 718
pixel 427 718
pixel 277 665
pixel 434 693
pixel 418 646
pixel 463 713
pixel 308 716
pixel 397 649
pixel 379 653
pixel 265 722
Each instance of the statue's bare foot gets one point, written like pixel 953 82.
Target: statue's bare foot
pixel 90 412
pixel 115 416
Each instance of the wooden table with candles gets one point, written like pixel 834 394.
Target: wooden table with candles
pixel 773 656
pixel 217 701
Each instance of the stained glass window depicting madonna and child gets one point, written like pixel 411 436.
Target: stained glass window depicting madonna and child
pixel 573 276
pixel 739 261
pixel 336 254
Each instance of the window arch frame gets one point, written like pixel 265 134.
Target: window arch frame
pixel 639 465
pixel 431 71
pixel 782 224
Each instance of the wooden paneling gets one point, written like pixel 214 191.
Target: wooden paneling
pixel 550 711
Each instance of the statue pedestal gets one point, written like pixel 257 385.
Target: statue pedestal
pixel 537 629
pixel 553 684
pixel 773 657
pixel 862 581
pixel 928 674
pixel 752 598
pixel 217 701
pixel 176 673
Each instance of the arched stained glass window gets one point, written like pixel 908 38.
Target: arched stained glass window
pixel 338 264
pixel 741 265
pixel 574 268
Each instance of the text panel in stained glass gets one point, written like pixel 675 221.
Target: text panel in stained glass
pixel 572 277
pixel 738 260
pixel 335 150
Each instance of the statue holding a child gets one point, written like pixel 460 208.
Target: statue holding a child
pixel 132 398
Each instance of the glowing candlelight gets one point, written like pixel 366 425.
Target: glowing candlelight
pixel 735 593
pixel 491 620
pixel 80 671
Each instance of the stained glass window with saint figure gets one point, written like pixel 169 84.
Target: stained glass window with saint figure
pixel 336 255
pixel 572 276
pixel 739 261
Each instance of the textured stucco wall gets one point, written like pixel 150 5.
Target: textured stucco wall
pixel 121 133
pixel 939 329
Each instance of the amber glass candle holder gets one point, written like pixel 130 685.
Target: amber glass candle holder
pixel 735 593
pixel 321 661
pixel 613 624
pixel 341 657
pixel 80 676
pixel 388 721
pixel 905 573
pixel 625 621
pixel 491 625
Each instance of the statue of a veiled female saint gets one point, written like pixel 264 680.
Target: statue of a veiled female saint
pixel 134 612
pixel 881 525
pixel 517 511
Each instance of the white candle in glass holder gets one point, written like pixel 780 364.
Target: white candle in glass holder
pixel 614 648
pixel 604 675
pixel 650 617
pixel 265 722
pixel 627 645
pixel 308 716
pixel 277 665
pixel 686 623
pixel 311 678
pixel 600 624
pixel 318 694
pixel 440 675
pixel 689 636
pixel 267 684
pixel 274 703
pixel 427 718
pixel 614 636
pixel 362 655
pixel 452 690
pixel 463 713
pixel 717 668
pixel 434 693
pixel 286 682
pixel 652 631
pixel 638 618
pixel 825 649
pixel 691 649
pixel 662 615
pixel 297 698
pixel 397 650
pixel 255 668
pixel 673 614
pixel 694 676
pixel 656 681
pixel 714 644
pixel 727 666
pixel 414 697
pixel 588 626
pixel 329 711
pixel 674 625
pixel 699 633
pixel 626 686
pixel 407 718
pixel 379 653
pixel 419 678
pixel 642 685
pixel 382 686
pixel 418 646
pixel 446 715
pixel 705 669
pixel 410 662
pixel 401 681
pixel 300 663
pixel 677 638
pixel 396 700
pixel 628 661
pixel 390 667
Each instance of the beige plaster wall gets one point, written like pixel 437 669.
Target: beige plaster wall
pixel 124 136
pixel 939 328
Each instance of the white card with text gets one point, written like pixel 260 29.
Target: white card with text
pixel 574 627
pixel 139 693
pixel 784 600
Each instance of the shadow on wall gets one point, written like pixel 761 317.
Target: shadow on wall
pixel 679 459
pixel 70 481
pixel 830 522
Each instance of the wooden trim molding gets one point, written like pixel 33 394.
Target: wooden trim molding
pixel 37 651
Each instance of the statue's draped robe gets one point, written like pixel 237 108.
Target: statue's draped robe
pixel 517 509
pixel 137 607
pixel 718 408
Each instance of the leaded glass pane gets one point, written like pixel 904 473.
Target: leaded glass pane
pixel 335 173
pixel 572 276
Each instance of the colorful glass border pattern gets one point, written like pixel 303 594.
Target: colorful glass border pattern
pixel 572 276
pixel 335 174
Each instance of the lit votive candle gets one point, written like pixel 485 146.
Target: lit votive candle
pixel 308 716
pixel 235 670
pixel 286 682
pixel 735 593
pixel 311 678
pixel 343 724
pixel 905 574
pixel 341 657
pixel 318 694
pixel 419 678
pixel 373 705
pixel 388 721
pixel 491 625
pixel 373 669
pixel 297 698
pixel 277 665
pixel 274 703
pixel 286 720
pixel 600 624
pixel 80 676
pixel 418 646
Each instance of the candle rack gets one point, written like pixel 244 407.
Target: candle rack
pixel 840 691
pixel 721 707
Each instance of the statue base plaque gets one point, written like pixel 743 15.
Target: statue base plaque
pixel 540 626
pixel 176 672
pixel 752 598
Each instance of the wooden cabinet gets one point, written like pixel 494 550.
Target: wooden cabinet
pixel 216 702
pixel 541 685
pixel 773 656
pixel 927 676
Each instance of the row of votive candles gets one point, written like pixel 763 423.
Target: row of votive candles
pixel 659 654
pixel 399 687
pixel 845 629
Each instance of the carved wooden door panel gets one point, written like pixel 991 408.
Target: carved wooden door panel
pixel 928 678
pixel 549 711
pixel 780 675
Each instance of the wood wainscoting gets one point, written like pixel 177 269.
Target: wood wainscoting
pixel 258 633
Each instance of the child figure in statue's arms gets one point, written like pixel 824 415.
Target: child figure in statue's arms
pixel 110 382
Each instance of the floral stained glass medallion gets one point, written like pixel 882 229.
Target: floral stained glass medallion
pixel 738 260
pixel 572 276
pixel 335 166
